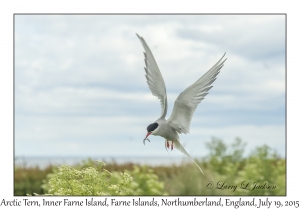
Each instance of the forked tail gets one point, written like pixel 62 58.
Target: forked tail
pixel 181 149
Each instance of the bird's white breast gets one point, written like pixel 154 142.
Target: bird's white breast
pixel 165 130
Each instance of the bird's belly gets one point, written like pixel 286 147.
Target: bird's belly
pixel 169 134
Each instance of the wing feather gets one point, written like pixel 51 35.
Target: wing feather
pixel 154 78
pixel 187 102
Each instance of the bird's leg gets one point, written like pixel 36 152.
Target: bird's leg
pixel 172 146
pixel 168 144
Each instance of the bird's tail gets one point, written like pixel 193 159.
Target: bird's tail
pixel 181 149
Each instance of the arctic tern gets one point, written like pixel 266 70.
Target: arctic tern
pixel 184 106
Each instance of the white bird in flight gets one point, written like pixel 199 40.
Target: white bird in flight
pixel 184 106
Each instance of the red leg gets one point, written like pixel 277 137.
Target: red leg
pixel 172 146
pixel 168 144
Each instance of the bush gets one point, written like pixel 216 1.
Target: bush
pixel 92 180
pixel 28 180
pixel 145 182
pixel 225 163
pixel 87 181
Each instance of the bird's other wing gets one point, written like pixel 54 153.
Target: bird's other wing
pixel 181 149
pixel 154 78
pixel 187 102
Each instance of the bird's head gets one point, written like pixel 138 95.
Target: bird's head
pixel 151 129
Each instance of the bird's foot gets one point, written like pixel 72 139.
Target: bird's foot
pixel 168 145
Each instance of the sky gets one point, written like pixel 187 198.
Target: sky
pixel 80 88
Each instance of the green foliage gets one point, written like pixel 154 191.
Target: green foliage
pixel 225 161
pixel 225 166
pixel 87 181
pixel 263 166
pixel 28 180
pixel 91 180
pixel 145 182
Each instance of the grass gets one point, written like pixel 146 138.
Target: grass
pixel 226 170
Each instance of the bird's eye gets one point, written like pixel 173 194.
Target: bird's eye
pixel 152 127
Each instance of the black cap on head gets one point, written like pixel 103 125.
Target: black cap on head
pixel 152 127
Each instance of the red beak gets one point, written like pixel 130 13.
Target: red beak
pixel 148 134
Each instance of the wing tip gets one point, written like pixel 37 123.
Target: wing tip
pixel 223 57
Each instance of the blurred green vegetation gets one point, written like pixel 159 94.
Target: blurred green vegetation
pixel 227 172
pixel 90 178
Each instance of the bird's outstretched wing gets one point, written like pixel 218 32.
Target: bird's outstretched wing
pixel 181 149
pixel 187 102
pixel 154 78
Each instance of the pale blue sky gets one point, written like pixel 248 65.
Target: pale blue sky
pixel 80 87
